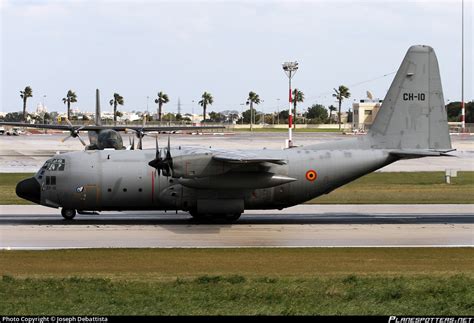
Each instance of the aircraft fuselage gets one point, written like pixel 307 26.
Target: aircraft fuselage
pixel 122 180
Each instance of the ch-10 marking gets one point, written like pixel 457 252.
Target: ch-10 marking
pixel 412 97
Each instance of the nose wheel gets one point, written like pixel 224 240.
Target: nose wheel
pixel 68 214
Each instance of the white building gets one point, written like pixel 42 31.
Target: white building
pixel 364 113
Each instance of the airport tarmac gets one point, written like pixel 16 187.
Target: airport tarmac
pixel 27 153
pixel 37 227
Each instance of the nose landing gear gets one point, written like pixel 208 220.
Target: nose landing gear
pixel 68 214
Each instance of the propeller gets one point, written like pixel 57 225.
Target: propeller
pixel 140 134
pixel 74 132
pixel 162 165
pixel 131 141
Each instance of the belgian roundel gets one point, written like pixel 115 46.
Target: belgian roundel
pixel 311 175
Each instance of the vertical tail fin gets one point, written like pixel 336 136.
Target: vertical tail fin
pixel 413 115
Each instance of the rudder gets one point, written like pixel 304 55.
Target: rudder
pixel 413 115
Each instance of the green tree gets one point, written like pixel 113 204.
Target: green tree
pixel 47 117
pixel 216 116
pixel 283 115
pixel 70 98
pixel 162 99
pixel 25 94
pixel 454 111
pixel 298 96
pixel 245 117
pixel 340 94
pixel 253 98
pixel 317 113
pixel 207 99
pixel 117 100
pixel 13 117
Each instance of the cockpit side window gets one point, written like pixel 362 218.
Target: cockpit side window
pixel 56 164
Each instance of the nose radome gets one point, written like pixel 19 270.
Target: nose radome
pixel 29 189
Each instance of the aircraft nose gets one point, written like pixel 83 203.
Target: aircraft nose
pixel 29 189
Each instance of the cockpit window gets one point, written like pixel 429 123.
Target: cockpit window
pixel 56 164
pixel 46 165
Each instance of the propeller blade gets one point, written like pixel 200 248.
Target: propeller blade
pixel 82 141
pixel 66 138
pixel 168 151
pixel 68 122
pixel 132 147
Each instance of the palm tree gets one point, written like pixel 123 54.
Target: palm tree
pixel 340 94
pixel 253 98
pixel 118 99
pixel 70 97
pixel 25 94
pixel 162 99
pixel 206 99
pixel 331 109
pixel 298 96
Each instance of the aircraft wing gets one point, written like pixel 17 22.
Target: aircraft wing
pixel 245 158
pixel 41 126
pixel 157 128
pixel 116 128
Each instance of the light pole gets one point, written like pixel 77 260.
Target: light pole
pixel 290 69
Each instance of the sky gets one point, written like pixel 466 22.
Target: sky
pixel 227 48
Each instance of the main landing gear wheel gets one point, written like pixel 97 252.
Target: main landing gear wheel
pixel 215 218
pixel 68 214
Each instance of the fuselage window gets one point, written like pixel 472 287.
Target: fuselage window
pixel 48 180
pixel 53 180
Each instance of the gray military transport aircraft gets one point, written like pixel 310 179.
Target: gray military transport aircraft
pixel 217 183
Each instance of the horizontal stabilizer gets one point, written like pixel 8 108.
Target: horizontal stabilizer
pixel 417 153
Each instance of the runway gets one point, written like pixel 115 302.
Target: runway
pixel 37 227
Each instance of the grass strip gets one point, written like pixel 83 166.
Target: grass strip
pixel 163 264
pixel 239 295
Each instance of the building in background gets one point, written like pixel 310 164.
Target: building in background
pixel 364 112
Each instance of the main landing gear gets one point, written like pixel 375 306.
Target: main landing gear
pixel 68 214
pixel 215 218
